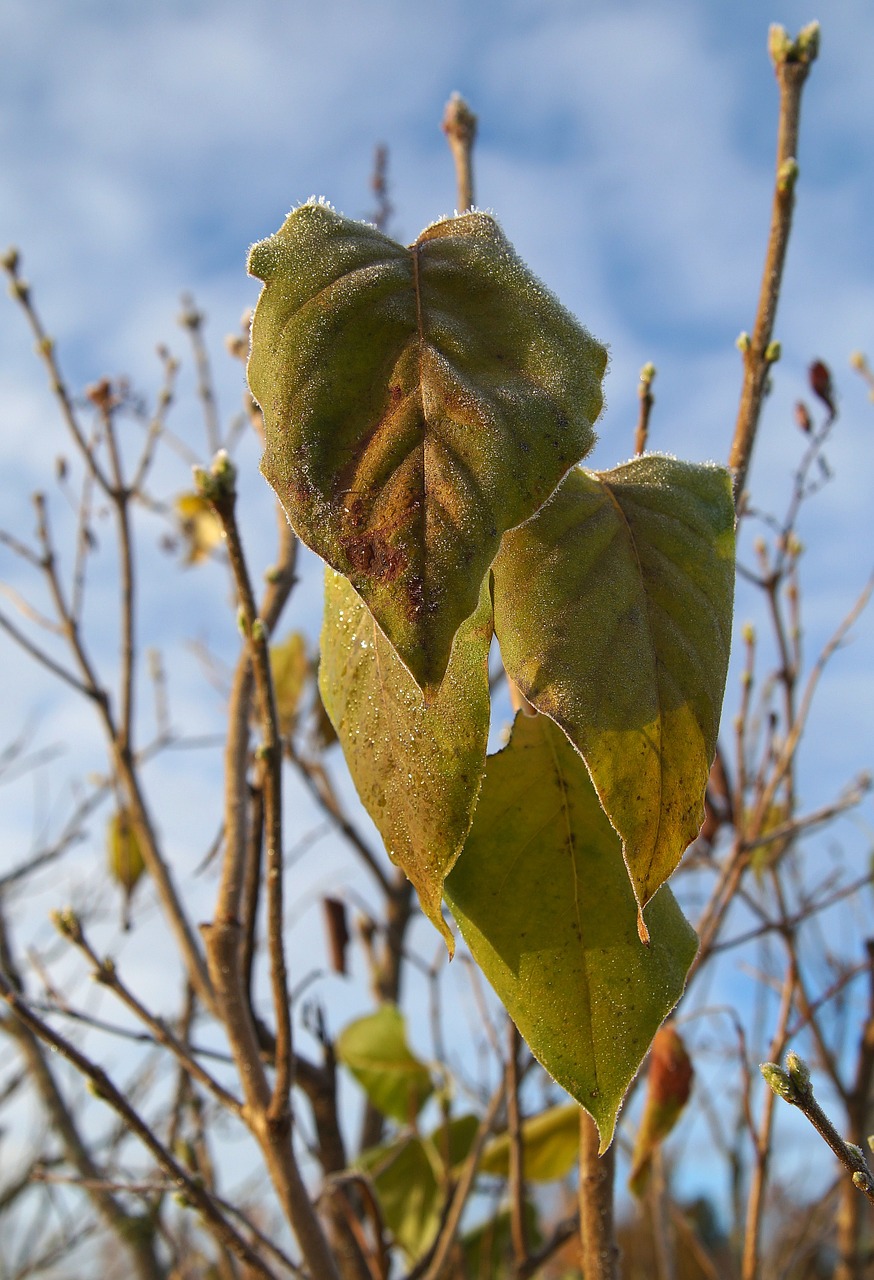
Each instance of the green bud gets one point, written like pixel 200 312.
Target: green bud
pixel 11 259
pixel 787 175
pixel 67 923
pixel 648 373
pixel 223 470
pixel 242 624
pixel 748 633
pixel 862 1181
pixel 259 631
pixel 743 342
pixel 773 351
pixel 807 43
pixel 799 1074
pixel 778 1081
pixel 779 44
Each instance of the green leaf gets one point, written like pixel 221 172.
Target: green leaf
pixel 409 1195
pixel 124 855
pixel 418 767
pixel 290 667
pixel 488 1249
pixel 543 901
pixel 613 611
pixel 550 1141
pixel 417 402
pixel 375 1050
pixel 410 1180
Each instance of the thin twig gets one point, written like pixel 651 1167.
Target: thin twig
pixel 518 1233
pixel 792 1084
pixel 600 1254
pixel 792 62
pixel 459 125
pixel 104 972
pixel 647 400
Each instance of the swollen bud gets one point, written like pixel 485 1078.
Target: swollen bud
pixel 821 383
pixel 799 1074
pixel 778 1080
pixel 779 44
pixel 803 418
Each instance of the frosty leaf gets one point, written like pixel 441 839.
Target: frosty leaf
pixel 417 403
pixel 542 899
pixel 613 610
pixel 417 766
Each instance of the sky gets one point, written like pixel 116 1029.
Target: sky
pixel 626 146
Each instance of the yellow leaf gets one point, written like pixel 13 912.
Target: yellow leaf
pixel 199 525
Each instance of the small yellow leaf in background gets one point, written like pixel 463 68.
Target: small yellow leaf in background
pixel 290 666
pixel 124 856
pixel 200 527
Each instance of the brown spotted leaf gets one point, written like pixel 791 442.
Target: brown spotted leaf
pixel 417 402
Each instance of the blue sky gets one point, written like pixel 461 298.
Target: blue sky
pixel 625 145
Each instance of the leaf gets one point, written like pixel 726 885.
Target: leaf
pixel 417 402
pixel 410 1178
pixel 324 735
pixel 542 899
pixel 199 525
pixel 668 1085
pixel 613 611
pixel 126 865
pixel 290 667
pixel 550 1141
pixel 488 1249
pixel 375 1050
pixel 417 766
pixel 124 858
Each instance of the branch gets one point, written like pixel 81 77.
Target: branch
pixel 104 1088
pixel 792 1084
pixel 459 125
pixel 267 1113
pixel 792 63
pixel 600 1253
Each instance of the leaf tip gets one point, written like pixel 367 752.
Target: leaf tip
pixel 642 931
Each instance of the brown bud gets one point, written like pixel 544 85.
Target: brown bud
pixel 802 417
pixel 821 384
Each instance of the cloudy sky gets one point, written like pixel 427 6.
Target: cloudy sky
pixel 625 145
